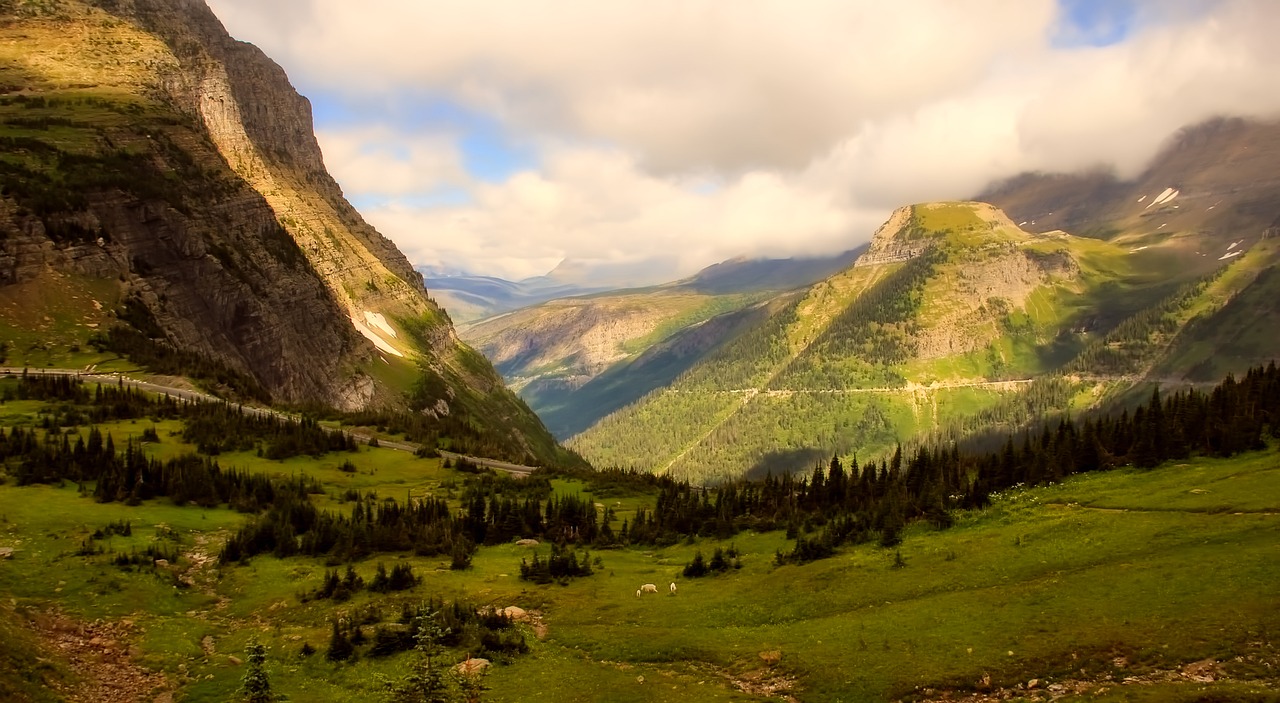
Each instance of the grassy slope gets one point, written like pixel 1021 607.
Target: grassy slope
pixel 1047 582
pixel 1233 324
pixel 800 357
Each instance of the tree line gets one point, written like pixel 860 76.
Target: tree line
pixel 837 505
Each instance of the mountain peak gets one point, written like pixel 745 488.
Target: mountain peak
pixel 912 229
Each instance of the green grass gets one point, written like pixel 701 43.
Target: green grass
pixel 1161 567
pixel 47 322
pixel 695 309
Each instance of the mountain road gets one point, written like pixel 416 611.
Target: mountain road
pixel 90 376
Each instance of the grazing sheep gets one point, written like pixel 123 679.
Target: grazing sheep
pixel 637 593
pixel 673 588
pixel 649 588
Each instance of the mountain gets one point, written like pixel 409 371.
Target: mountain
pixel 954 318
pixel 469 297
pixel 576 359
pixel 163 195
pixel 1216 179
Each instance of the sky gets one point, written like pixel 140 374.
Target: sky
pixel 645 140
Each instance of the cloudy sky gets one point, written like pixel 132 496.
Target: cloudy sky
pixel 659 136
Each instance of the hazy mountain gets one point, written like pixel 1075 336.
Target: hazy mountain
pixel 469 297
pixel 161 176
pixel 1217 179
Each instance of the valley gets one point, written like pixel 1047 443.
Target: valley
pixel 1019 445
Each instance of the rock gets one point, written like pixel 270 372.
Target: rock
pixel 1203 671
pixel 162 563
pixel 527 543
pixel 1033 683
pixel 516 613
pixel 471 667
pixel 771 657
pixel 235 661
pixel 6 552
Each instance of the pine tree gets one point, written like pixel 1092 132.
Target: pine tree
pixel 254 685
pixel 426 682
pixel 340 648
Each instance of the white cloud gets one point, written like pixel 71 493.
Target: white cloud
pixel 597 205
pixel 689 132
pixel 378 159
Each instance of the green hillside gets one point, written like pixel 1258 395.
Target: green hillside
pixel 942 327
pixel 1094 586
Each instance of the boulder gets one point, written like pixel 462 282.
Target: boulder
pixel 471 667
pixel 515 613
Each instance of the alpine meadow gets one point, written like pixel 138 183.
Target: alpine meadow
pixel 646 352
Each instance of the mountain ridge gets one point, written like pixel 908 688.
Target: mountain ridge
pixel 950 314
pixel 575 358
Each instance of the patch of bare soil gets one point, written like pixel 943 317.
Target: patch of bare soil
pixel 766 681
pixel 102 658
pixel 539 627
pixel 202 572
pixel 1261 669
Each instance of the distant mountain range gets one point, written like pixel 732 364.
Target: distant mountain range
pixel 469 298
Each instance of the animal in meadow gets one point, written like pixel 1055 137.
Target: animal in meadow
pixel 648 588
pixel 673 588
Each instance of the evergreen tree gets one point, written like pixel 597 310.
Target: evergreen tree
pixel 254 685
pixel 340 648
pixel 425 682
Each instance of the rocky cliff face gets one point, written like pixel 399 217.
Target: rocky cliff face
pixel 171 167
pixel 893 241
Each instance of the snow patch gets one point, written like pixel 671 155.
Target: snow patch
pixel 1142 198
pixel 1020 224
pixel 1166 196
pixel 1138 249
pixel 372 336
pixel 1230 254
pixel 376 319
pixel 1234 245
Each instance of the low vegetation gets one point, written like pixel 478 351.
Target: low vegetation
pixel 1097 575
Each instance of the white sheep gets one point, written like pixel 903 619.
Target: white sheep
pixel 637 593
pixel 649 588
pixel 673 588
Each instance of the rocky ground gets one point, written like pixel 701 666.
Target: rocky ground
pixel 1260 670
pixel 103 659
